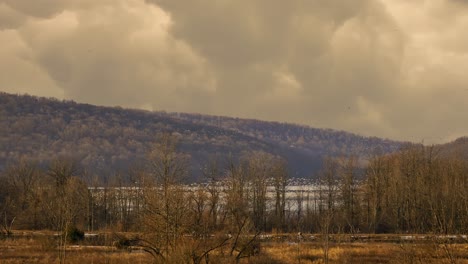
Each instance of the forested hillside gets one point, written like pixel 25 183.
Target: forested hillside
pixel 315 141
pixel 458 148
pixel 107 140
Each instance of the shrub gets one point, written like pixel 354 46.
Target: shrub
pixel 74 234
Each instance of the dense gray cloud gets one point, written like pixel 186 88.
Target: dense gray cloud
pixel 385 68
pixel 116 53
pixel 329 51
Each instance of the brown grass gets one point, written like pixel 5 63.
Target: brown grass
pixel 42 249
pixel 391 253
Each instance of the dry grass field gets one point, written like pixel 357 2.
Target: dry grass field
pixel 41 249
pixel 368 253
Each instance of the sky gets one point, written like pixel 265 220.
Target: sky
pixel 388 68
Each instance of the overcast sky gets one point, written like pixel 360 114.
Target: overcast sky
pixel 392 68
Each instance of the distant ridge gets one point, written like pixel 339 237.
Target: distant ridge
pixel 107 140
pixel 457 148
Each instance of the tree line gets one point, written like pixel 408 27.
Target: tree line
pixel 415 190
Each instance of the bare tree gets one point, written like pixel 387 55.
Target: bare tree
pixel 376 190
pixel 240 227
pixel 260 167
pixel 166 205
pixel 328 198
pixel 280 182
pixel 65 201
pixel 22 199
pixel 348 192
pixel 213 188
pixel 7 208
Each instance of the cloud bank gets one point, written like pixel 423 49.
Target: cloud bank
pixel 384 68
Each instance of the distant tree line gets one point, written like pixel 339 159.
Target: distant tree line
pixel 416 190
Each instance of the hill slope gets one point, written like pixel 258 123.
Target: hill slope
pixel 457 148
pixel 110 139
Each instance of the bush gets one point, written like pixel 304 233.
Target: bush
pixel 74 234
pixel 123 242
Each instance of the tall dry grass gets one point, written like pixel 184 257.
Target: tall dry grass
pixel 42 250
pixel 312 253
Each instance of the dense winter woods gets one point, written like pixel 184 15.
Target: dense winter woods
pixel 416 190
